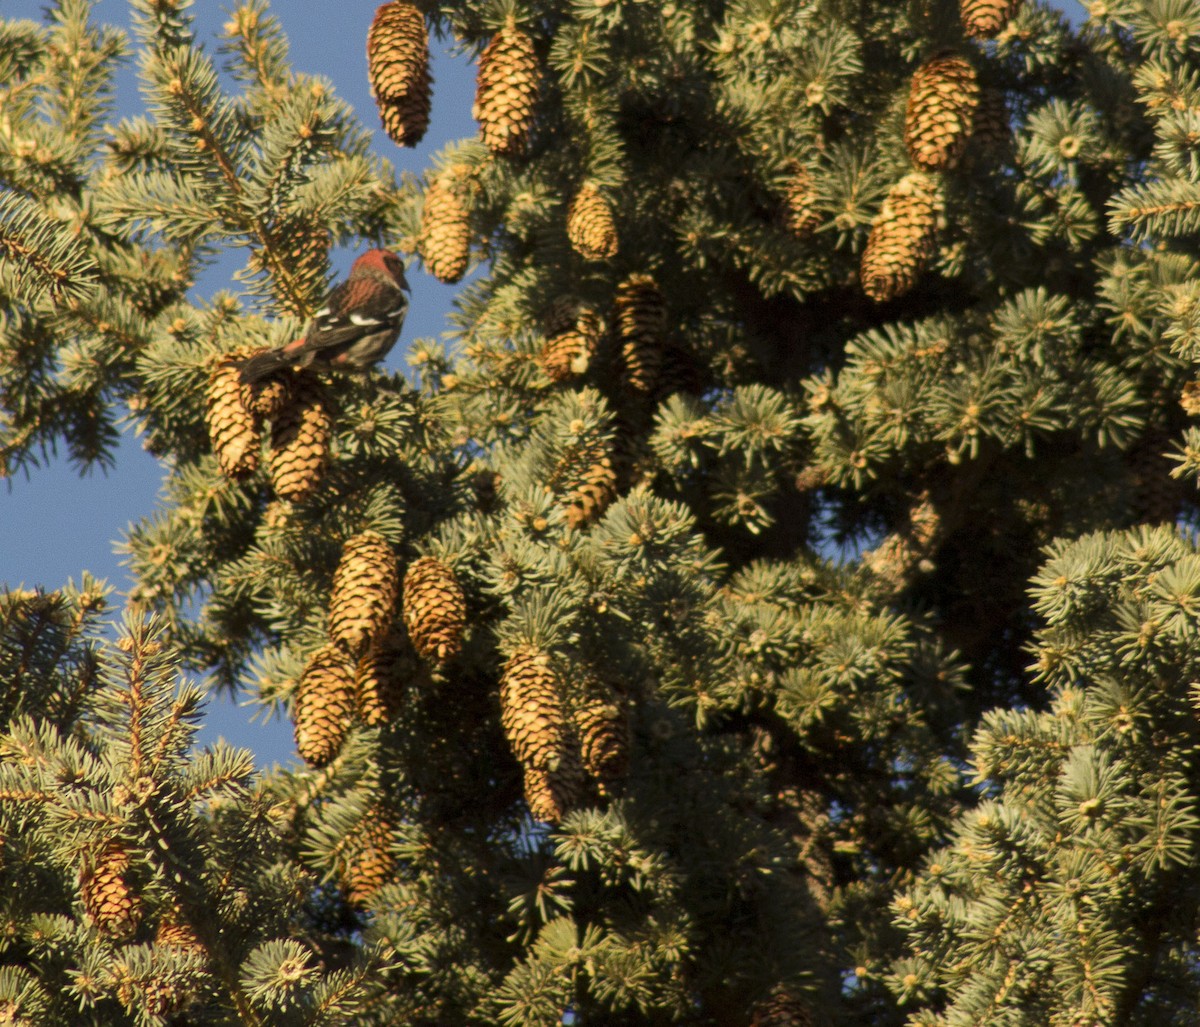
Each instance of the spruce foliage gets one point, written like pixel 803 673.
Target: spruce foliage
pixel 775 601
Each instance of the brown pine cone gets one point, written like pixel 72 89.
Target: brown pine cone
pixel 941 108
pixel 532 713
pixel 552 794
pixel 232 427
pixel 445 238
pixel 363 597
pixel 604 739
pixel 372 864
pixel 383 675
pixel 802 217
pixel 641 319
pixel 398 67
pixel 506 91
pixel 588 498
pixel 902 240
pixel 590 225
pixel 435 609
pixel 573 332
pixel 108 898
pixel 300 438
pixel 325 704
pixel 985 19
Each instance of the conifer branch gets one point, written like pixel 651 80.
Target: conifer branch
pixel 39 261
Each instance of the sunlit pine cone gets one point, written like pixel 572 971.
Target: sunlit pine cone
pixel 532 712
pixel 176 933
pixel 902 240
pixel 942 99
pixel 985 19
pixel 573 331
pixel 506 91
pixel 398 68
pixel 325 704
pixel 641 320
pixel 591 228
pixel 552 794
pixel 363 596
pixel 435 609
pixel 588 498
pixel 445 236
pixel 300 437
pixel 108 897
pixel 232 426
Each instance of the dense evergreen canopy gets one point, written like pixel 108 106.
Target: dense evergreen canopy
pixel 776 600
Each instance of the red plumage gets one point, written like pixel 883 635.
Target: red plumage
pixel 356 327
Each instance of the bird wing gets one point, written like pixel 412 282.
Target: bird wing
pixel 355 309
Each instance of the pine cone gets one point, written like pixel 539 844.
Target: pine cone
pixel 1189 399
pixel 176 933
pixel 604 739
pixel 300 440
pixel 364 591
pixel 991 133
pixel 902 239
pixel 108 899
pixel 782 1009
pixel 435 609
pixel 398 67
pixel 941 107
pixel 232 428
pixel 984 19
pixel 802 217
pixel 372 864
pixel 641 317
pixel 587 499
pixel 382 676
pixel 590 225
pixel 269 396
pixel 445 239
pixel 551 794
pixel 895 561
pixel 325 704
pixel 573 333
pixel 506 91
pixel 531 710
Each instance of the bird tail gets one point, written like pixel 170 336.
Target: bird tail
pixel 264 365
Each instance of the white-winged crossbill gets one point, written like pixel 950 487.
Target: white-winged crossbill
pixel 358 324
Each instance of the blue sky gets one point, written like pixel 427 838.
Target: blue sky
pixel 57 524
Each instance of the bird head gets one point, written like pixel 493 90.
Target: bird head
pixel 383 262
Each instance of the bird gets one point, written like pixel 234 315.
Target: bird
pixel 355 327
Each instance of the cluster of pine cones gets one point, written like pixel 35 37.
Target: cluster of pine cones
pixel 506 96
pixel 301 425
pixel 561 743
pixel 115 907
pixel 374 647
pixel 946 108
